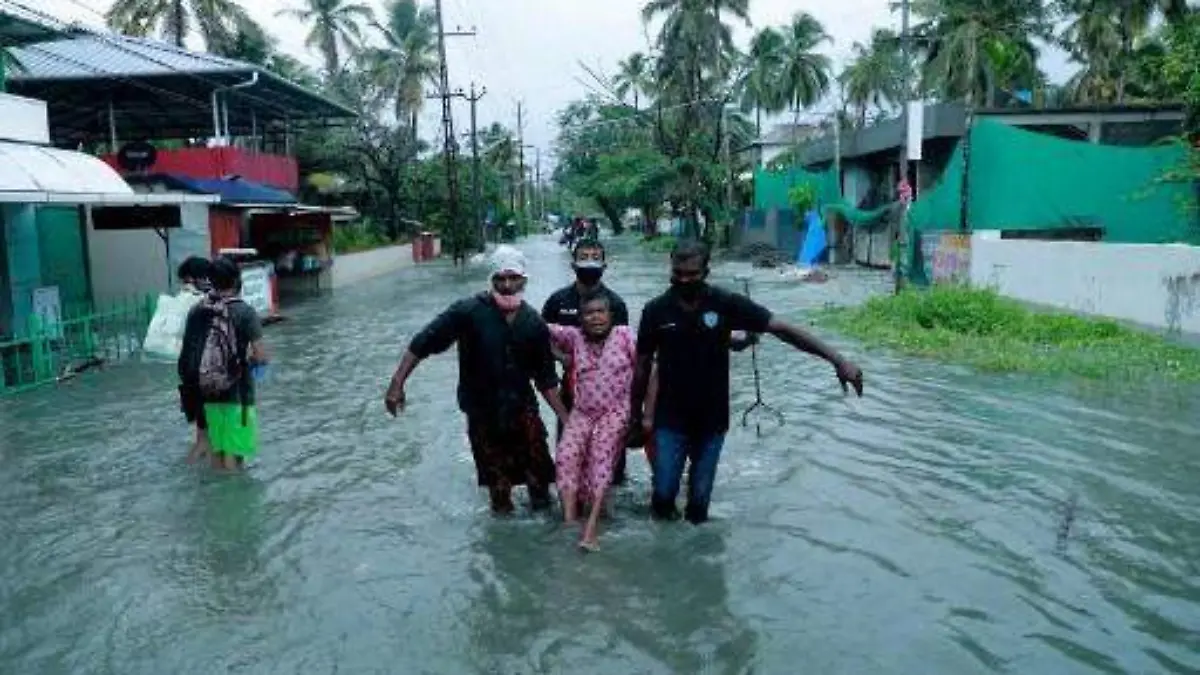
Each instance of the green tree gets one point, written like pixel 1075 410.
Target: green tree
pixel 874 77
pixel 762 74
pixel 409 59
pixel 635 76
pixel 335 28
pixel 216 20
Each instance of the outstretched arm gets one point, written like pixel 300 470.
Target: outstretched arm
pixel 435 338
pixel 745 314
pixel 848 374
pixel 544 375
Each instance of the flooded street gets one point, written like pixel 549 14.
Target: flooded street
pixel 948 522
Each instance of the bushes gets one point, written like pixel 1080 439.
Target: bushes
pixel 363 235
pixel 983 329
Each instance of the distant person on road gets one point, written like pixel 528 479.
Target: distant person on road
pixel 193 276
pixel 602 361
pixel 688 328
pixel 222 347
pixel 563 307
pixel 502 345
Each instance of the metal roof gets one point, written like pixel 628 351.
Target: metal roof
pixel 36 174
pixel 18 27
pixel 156 90
pixel 949 120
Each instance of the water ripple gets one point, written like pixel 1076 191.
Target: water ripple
pixel 920 529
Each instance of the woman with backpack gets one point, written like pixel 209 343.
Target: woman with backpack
pixel 222 344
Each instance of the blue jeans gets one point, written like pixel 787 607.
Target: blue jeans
pixel 674 448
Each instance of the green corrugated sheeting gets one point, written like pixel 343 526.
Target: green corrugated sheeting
pixel 1023 180
pixel 771 192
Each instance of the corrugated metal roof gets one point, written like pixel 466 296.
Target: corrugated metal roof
pixel 19 26
pixel 96 56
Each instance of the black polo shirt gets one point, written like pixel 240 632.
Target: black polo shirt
pixel 562 307
pixel 693 355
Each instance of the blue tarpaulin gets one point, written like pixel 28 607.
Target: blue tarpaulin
pixel 230 190
pixel 814 240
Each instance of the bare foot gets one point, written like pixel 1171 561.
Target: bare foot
pixel 589 545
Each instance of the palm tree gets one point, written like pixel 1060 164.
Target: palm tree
pixel 217 20
pixel 975 46
pixel 336 28
pixel 1108 38
pixel 874 77
pixel 762 73
pixel 695 42
pixel 409 58
pixel 634 76
pixel 804 77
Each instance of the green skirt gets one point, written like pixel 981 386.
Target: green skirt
pixel 232 429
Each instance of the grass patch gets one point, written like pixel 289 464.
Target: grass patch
pixel 660 244
pixel 984 330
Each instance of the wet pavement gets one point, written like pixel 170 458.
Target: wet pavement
pixel 949 522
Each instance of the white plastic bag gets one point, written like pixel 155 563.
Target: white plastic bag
pixel 164 337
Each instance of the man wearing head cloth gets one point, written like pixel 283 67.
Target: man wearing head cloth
pixel 503 347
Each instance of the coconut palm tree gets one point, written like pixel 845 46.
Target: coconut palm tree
pixel 974 46
pixel 217 20
pixel 761 76
pixel 804 75
pixel 408 60
pixel 694 42
pixel 336 28
pixel 874 77
pixel 634 76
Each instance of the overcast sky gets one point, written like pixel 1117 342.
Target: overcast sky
pixel 529 50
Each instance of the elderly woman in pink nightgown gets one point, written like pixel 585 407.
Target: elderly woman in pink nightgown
pixel 602 359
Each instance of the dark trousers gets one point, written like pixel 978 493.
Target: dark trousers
pixel 672 450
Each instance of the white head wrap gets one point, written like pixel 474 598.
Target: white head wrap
pixel 506 259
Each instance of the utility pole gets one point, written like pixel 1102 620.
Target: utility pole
pixel 521 162
pixel 905 151
pixel 473 98
pixel 729 171
pixel 539 198
pixel 450 149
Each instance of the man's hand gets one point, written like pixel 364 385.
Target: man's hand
pixel 395 399
pixel 849 375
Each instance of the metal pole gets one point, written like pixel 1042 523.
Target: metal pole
pixel 216 108
pixel 112 127
pixel 902 224
pixel 521 162
pixel 538 198
pixel 449 149
pixel 475 189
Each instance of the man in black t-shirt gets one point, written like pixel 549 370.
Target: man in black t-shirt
pixel 562 308
pixel 688 329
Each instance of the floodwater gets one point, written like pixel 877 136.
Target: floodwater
pixel 948 522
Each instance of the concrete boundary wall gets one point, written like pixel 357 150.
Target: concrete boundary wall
pixel 351 268
pixel 1154 285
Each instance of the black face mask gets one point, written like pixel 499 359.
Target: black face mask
pixel 688 291
pixel 589 276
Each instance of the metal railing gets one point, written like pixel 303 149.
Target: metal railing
pixel 82 338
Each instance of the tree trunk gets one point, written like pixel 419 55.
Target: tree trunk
pixel 610 212
pixel 178 19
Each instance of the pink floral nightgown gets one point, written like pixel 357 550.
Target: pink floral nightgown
pixel 595 429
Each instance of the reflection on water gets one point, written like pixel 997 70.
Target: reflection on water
pixel 918 529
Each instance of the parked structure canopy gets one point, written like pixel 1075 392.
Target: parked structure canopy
pixel 101 86
pixel 32 174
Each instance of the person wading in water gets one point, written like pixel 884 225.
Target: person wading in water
pixel 688 328
pixel 562 308
pixel 502 345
